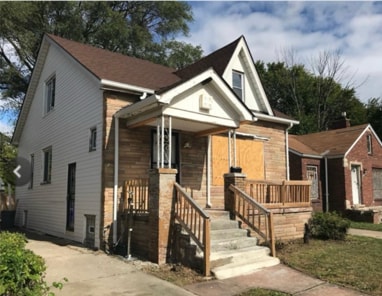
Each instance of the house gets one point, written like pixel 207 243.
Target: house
pixel 344 164
pixel 93 121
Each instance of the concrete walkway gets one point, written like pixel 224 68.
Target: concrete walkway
pixel 362 232
pixel 95 273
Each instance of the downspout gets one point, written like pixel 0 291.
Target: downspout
pixel 287 150
pixel 209 172
pixel 326 180
pixel 116 168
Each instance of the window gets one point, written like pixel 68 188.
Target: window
pixel 238 84
pixel 93 139
pixel 377 183
pixel 32 171
pixel 50 89
pixel 47 172
pixel 369 144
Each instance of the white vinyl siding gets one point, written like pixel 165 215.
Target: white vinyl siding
pixel 78 105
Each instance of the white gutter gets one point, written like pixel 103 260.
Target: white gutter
pixel 116 168
pixel 125 86
pixel 287 150
pixel 275 119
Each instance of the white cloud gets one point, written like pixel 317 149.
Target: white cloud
pixel 308 27
pixel 6 129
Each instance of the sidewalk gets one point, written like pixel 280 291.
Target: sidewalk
pixel 362 232
pixel 95 273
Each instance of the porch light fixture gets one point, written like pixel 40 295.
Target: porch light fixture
pixel 187 145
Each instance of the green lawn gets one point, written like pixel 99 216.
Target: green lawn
pixel 262 292
pixel 367 226
pixel 355 262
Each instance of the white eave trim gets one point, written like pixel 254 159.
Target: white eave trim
pixel 125 86
pixel 151 102
pixel 361 135
pixel 275 119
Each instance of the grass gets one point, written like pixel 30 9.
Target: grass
pixel 367 226
pixel 355 262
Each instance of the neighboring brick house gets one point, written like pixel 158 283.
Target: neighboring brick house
pixel 345 164
pixel 92 119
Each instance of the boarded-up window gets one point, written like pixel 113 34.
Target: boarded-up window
pixel 377 183
pixel 249 156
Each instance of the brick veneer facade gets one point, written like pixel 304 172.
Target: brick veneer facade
pixel 135 149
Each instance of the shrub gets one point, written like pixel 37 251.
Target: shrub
pixel 328 226
pixel 21 271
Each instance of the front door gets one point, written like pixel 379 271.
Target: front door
pixel 71 193
pixel 356 184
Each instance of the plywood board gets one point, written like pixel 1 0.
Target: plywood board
pixel 249 156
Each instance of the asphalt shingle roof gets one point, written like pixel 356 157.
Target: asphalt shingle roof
pixel 337 141
pixel 117 67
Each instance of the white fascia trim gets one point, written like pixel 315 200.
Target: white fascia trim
pixel 149 103
pixel 125 86
pixel 274 118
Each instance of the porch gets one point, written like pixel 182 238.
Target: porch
pixel 184 235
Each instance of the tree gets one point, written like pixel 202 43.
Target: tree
pixel 374 115
pixel 137 28
pixel 7 156
pixel 315 97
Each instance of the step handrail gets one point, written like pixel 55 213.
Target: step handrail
pixel 195 222
pixel 255 215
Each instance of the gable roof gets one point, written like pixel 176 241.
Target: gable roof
pixel 218 60
pixel 132 74
pixel 332 143
pixel 107 65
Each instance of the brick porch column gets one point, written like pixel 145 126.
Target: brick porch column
pixel 236 179
pixel 161 186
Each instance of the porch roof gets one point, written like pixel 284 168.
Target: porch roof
pixel 204 104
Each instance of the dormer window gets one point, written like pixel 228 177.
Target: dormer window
pixel 238 84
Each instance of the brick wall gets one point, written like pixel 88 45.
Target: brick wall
pixel 289 223
pixel 359 155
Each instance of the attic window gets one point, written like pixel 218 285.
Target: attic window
pixel 369 144
pixel 238 84
pixel 50 93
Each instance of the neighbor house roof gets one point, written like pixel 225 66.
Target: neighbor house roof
pixel 331 143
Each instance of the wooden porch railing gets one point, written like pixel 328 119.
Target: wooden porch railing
pixel 279 193
pixel 255 216
pixel 195 222
pixel 137 189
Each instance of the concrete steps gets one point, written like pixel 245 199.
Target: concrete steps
pixel 233 251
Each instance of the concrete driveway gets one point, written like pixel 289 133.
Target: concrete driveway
pixel 95 273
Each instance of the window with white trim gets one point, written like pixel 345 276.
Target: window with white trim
pixel 50 93
pixel 238 84
pixel 93 139
pixel 47 162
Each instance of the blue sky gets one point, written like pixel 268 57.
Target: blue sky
pixel 354 28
